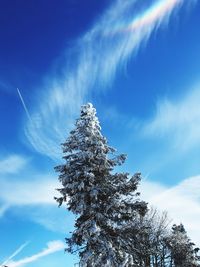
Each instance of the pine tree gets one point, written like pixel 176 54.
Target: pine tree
pixel 182 249
pixel 104 202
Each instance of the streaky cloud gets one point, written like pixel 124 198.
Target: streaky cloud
pixel 98 56
pixel 18 197
pixel 177 121
pixel 180 201
pixel 24 105
pixel 52 247
pixel 19 192
pixel 12 164
pixel 3 209
pixel 17 251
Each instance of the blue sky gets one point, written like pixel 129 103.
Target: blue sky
pixel 138 62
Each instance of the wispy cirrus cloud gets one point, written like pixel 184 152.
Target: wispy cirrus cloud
pixel 19 191
pixel 18 180
pixel 30 195
pixel 38 190
pixel 178 121
pixel 12 164
pixel 97 57
pixel 181 201
pixel 3 209
pixel 52 247
pixel 33 200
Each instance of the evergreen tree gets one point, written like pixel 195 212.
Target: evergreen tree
pixel 104 202
pixel 183 253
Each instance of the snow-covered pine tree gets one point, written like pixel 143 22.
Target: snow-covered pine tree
pixel 182 249
pixel 104 202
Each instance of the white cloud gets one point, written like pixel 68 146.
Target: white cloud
pixel 29 194
pixel 99 54
pixel 179 120
pixel 52 247
pixel 182 202
pixel 149 189
pixel 17 251
pixel 38 190
pixel 52 218
pixel 33 199
pixel 3 209
pixel 12 164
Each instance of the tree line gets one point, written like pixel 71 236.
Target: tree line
pixel 113 226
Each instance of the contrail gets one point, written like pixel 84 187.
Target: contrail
pixel 15 253
pixel 52 247
pixel 24 105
